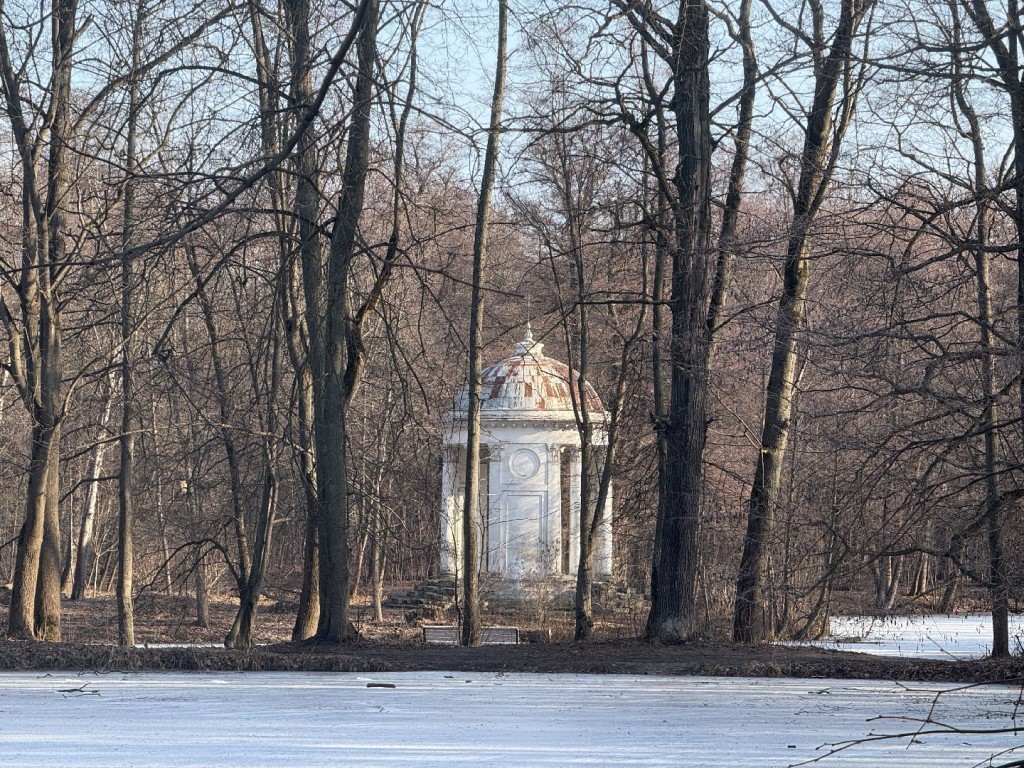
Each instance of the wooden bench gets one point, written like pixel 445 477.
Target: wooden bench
pixel 443 634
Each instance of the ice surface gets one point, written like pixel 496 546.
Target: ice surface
pixel 924 637
pixel 444 719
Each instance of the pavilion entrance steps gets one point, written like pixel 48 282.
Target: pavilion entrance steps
pixel 435 599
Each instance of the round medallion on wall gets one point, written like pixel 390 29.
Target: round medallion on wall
pixel 524 463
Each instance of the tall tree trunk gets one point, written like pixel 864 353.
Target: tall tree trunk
pixel 35 345
pixel 125 476
pixel 308 614
pixel 658 334
pixel 46 410
pixel 822 139
pixel 296 335
pixel 336 352
pixel 673 615
pixel 471 624
pixel 48 596
pixel 1004 45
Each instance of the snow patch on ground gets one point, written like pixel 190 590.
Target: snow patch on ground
pixel 146 720
pixel 922 637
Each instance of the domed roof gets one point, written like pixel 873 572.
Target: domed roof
pixel 527 385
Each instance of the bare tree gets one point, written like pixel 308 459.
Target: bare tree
pixel 678 35
pixel 34 337
pixel 471 629
pixel 836 76
pixel 1003 40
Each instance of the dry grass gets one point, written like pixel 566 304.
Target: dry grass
pixel 89 628
pixel 161 618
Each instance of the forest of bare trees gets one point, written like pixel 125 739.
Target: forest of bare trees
pixel 252 249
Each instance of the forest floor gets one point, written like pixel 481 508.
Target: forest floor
pixel 169 639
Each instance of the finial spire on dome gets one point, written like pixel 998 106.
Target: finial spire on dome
pixel 528 346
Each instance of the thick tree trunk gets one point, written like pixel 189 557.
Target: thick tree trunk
pixel 674 579
pixel 308 614
pixel 48 595
pixel 337 355
pixel 36 346
pixel 41 480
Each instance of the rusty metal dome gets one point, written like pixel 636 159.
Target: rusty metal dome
pixel 528 384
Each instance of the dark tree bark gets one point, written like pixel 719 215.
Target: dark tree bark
pixel 35 342
pixel 1004 45
pixel 272 127
pixel 684 47
pixel 336 349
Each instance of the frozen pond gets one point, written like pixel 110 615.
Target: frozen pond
pixel 924 637
pixel 444 719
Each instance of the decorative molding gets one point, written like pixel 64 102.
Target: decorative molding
pixel 524 464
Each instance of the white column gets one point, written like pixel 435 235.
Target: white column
pixel 494 552
pixel 603 562
pixel 575 470
pixel 451 523
pixel 551 519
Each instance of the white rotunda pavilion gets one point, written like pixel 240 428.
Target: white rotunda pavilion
pixel 529 501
